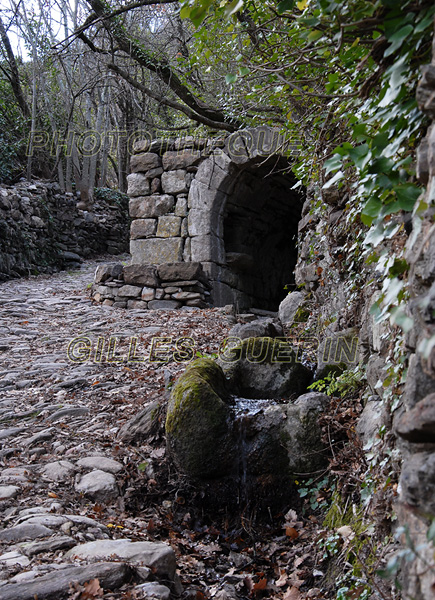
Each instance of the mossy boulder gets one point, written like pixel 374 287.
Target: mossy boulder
pixel 265 368
pixel 198 429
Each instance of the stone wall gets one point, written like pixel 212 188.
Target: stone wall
pixel 41 228
pixel 167 286
pixel 414 422
pixel 336 296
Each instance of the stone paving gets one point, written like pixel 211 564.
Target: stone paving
pixel 64 470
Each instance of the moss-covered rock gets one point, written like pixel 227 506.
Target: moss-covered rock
pixel 198 421
pixel 265 368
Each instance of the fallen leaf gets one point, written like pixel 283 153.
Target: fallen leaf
pixel 282 580
pixel 52 495
pixel 292 594
pixel 345 532
pixel 291 516
pixel 291 533
pixel 260 585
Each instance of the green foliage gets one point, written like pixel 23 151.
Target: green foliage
pixel 110 196
pixel 339 79
pixel 315 492
pixel 334 384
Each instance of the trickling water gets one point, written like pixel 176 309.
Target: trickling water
pixel 250 406
pixel 245 409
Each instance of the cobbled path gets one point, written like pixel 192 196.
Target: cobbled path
pixel 65 473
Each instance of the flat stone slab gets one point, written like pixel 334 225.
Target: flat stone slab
pixel 55 585
pixel 156 555
pixel 8 491
pixel 9 559
pixel 52 545
pixel 98 484
pixel 69 412
pixel 59 470
pixel 25 531
pixel 102 463
pixel 10 432
pixel 154 590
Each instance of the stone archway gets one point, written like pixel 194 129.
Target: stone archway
pixel 212 222
pixel 243 219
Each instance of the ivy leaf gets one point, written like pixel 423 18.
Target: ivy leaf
pixel 185 12
pixel 431 532
pixel 381 165
pixel 375 236
pixel 399 266
pixel 400 318
pixel 285 5
pixel 333 163
pixel 360 155
pixel 198 14
pixel 233 7
pixel 398 38
pixel 371 209
pixel 407 195
pixel 339 175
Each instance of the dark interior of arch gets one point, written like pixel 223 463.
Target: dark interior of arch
pixel 260 232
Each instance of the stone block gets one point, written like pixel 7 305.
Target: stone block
pixel 187 254
pixel 169 226
pixel 181 271
pixel 141 163
pixel 138 185
pixel 151 206
pixel 186 296
pixel 137 304
pixel 143 228
pixel 156 251
pixel 180 159
pixel 174 182
pixel 216 173
pixel 163 304
pixel 130 291
pixel 208 248
pixel 184 228
pixel 154 173
pixel 156 185
pixel 108 272
pixel 141 274
pixel 289 307
pixel 181 208
pixel 148 294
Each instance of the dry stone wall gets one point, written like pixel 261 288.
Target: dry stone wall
pixel 166 286
pixel 41 228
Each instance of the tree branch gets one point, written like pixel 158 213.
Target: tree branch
pixel 161 67
pixel 171 103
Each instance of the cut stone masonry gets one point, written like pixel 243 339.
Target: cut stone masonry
pixel 227 204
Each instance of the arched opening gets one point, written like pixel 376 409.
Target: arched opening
pixel 260 224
